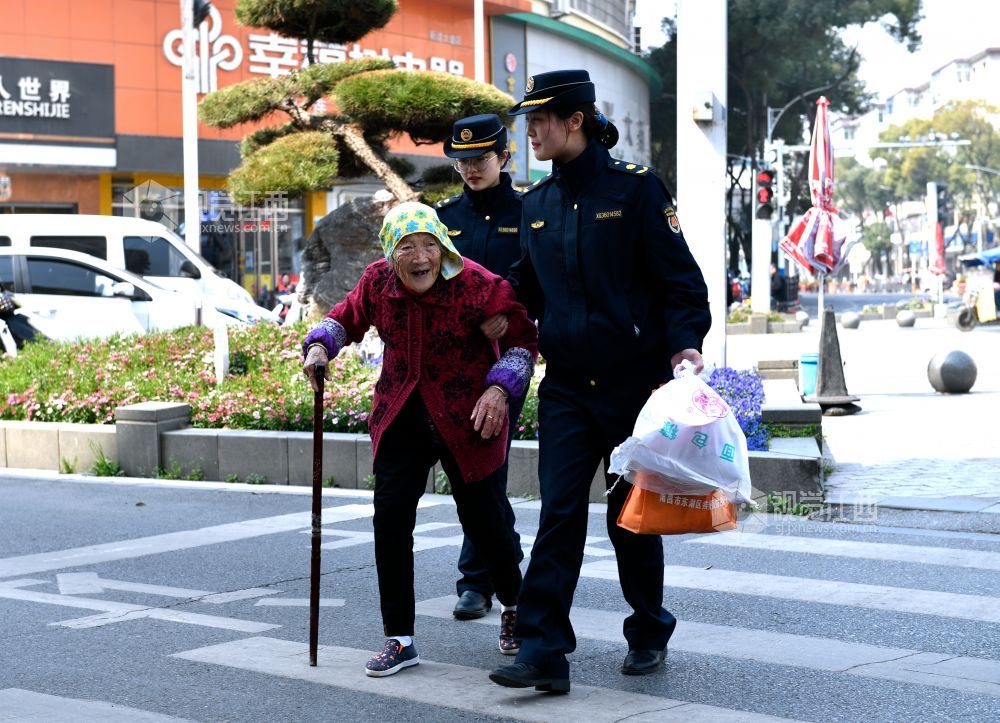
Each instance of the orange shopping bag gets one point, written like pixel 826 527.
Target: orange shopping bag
pixel 649 513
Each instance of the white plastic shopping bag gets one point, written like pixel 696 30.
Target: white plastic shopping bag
pixel 689 441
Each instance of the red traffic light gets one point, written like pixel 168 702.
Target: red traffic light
pixel 765 193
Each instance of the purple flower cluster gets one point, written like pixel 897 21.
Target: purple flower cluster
pixel 743 391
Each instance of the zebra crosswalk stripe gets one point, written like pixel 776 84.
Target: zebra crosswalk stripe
pixel 830 592
pixel 459 687
pixel 925 555
pixel 27 705
pixel 970 675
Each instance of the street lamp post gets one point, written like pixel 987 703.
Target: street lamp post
pixel 189 110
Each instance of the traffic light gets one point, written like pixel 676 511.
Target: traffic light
pixel 765 194
pixel 939 204
pixel 201 9
pixel 944 209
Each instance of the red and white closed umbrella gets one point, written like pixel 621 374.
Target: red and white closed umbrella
pixel 818 242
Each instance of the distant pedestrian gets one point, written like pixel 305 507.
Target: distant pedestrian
pixel 441 396
pixel 484 224
pixel 620 302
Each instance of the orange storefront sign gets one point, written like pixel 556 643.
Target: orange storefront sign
pixel 141 39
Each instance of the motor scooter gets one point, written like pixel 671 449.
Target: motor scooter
pixel 979 302
pixel 16 328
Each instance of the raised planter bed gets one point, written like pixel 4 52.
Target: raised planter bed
pixel 155 435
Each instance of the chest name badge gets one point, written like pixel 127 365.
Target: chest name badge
pixel 507 229
pixel 455 232
pixel 537 224
pixel 605 215
pixel 670 213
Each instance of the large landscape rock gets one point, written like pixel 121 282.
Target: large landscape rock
pixel 343 243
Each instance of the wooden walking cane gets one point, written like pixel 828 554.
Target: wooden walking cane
pixel 319 372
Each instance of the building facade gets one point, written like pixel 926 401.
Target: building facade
pixel 90 101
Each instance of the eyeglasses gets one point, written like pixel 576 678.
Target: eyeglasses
pixel 472 164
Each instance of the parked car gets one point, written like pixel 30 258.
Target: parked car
pixel 68 295
pixel 144 248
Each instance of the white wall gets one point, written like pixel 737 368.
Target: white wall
pixel 618 85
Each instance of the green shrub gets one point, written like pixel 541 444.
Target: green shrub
pixel 102 466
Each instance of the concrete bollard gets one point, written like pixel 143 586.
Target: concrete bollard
pixel 952 372
pixel 138 428
pixel 850 320
pixel 906 318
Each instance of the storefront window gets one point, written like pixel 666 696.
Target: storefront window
pixel 256 247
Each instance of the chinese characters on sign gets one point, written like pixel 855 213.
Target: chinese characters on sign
pixel 443 38
pixel 28 100
pixel 273 55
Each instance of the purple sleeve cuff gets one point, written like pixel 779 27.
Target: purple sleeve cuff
pixel 330 334
pixel 513 371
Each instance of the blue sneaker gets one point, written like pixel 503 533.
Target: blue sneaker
pixel 393 658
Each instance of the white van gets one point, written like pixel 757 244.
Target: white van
pixel 68 295
pixel 145 248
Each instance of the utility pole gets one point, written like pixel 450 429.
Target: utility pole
pixel 701 152
pixel 189 110
pixel 479 41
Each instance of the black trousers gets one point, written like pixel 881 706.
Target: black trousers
pixel 407 451
pixel 475 574
pixel 579 425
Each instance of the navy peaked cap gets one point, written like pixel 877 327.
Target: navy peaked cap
pixel 556 89
pixel 476 135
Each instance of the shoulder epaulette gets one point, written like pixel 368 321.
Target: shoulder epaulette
pixel 540 182
pixel 635 169
pixel 447 201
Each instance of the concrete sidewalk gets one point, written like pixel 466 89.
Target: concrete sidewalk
pixel 909 447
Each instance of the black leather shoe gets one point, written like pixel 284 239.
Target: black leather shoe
pixel 471 605
pixel 643 662
pixel 524 675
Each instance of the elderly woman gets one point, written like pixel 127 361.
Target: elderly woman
pixel 442 395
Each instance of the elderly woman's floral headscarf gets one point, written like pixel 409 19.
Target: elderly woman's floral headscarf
pixel 410 217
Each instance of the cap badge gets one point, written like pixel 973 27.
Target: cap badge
pixel 530 85
pixel 466 134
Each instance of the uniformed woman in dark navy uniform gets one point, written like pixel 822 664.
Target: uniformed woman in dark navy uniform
pixel 484 224
pixel 620 302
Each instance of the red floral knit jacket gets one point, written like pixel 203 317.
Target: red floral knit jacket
pixel 433 345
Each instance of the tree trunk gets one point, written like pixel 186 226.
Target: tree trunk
pixel 355 140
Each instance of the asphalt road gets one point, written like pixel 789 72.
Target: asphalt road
pixel 104 593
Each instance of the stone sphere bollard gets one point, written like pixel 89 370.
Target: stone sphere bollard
pixel 850 320
pixel 802 318
pixel 906 318
pixel 951 372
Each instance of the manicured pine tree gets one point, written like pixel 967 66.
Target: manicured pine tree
pixel 372 102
